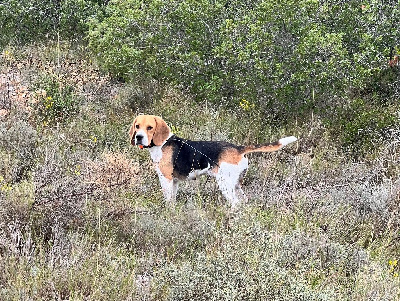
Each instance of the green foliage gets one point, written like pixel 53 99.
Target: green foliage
pixel 362 127
pixel 53 102
pixel 156 39
pixel 284 56
pixel 34 20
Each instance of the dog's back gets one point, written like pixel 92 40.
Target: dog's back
pixel 189 156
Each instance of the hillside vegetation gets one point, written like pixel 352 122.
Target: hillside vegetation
pixel 81 212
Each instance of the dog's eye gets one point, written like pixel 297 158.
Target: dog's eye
pixel 137 126
pixel 149 128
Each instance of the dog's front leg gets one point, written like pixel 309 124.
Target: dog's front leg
pixel 169 187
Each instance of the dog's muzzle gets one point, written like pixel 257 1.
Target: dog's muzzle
pixel 139 140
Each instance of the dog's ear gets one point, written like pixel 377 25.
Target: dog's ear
pixel 162 131
pixel 132 132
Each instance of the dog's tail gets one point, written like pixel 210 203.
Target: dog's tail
pixel 269 147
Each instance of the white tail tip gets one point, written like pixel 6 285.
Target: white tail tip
pixel 287 140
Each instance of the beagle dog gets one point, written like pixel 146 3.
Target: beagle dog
pixel 176 159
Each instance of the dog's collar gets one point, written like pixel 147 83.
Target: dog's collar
pixel 149 146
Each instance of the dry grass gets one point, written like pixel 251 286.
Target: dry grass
pixel 113 170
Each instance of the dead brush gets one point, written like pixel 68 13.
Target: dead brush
pixel 113 171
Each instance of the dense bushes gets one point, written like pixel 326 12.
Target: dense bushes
pixel 362 126
pixel 32 21
pixel 281 55
pixel 53 101
pixel 284 59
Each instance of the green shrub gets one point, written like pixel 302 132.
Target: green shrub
pixel 53 101
pixel 227 277
pixel 287 57
pixel 29 21
pixel 361 127
pixel 72 267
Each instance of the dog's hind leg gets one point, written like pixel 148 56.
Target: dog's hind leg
pixel 239 192
pixel 229 177
pixel 228 190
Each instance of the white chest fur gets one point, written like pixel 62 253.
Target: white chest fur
pixel 156 153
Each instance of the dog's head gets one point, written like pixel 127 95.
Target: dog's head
pixel 148 130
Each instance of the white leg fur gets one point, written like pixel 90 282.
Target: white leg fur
pixel 228 179
pixel 241 195
pixel 228 190
pixel 169 187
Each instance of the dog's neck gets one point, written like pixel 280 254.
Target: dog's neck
pixel 155 151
